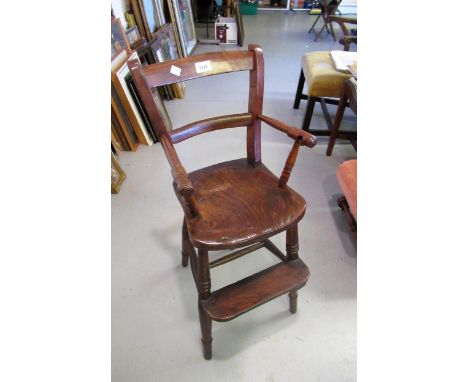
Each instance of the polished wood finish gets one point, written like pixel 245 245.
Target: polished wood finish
pixel 221 62
pixel 210 124
pixel 256 79
pixel 235 299
pixel 240 205
pixel 236 205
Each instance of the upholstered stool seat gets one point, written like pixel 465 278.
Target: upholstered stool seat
pixel 321 77
pixel 323 84
pixel 347 179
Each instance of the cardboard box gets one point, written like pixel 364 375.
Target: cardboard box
pixel 226 30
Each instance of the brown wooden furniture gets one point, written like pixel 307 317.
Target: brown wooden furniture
pixel 348 97
pixel 235 205
pixel 347 178
pixel 348 36
pixel 327 8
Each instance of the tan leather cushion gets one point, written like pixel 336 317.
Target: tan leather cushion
pixel 322 79
pixel 347 178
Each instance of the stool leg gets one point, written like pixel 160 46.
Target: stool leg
pixel 309 112
pixel 315 22
pixel 300 86
pixel 185 244
pixel 337 123
pixel 204 291
pixel 292 251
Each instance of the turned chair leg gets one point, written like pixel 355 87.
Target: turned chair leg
pixel 292 252
pixel 204 291
pixel 300 86
pixel 205 324
pixel 185 244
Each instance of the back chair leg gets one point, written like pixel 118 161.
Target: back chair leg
pixel 292 252
pixel 204 291
pixel 309 111
pixel 300 86
pixel 185 244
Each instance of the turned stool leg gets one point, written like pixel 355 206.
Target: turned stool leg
pixel 292 251
pixel 185 244
pixel 204 291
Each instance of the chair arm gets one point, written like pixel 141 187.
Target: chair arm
pixel 183 184
pixel 305 138
pixel 342 19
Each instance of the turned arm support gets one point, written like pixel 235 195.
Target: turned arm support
pixel 306 139
pixel 301 138
pixel 183 184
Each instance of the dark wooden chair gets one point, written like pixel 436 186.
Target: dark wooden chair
pixel 236 205
pixel 327 8
pixel 349 34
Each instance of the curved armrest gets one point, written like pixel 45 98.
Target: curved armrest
pixel 305 138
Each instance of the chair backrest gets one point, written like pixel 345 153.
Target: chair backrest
pixel 202 65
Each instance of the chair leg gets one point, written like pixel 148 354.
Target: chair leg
pixel 309 111
pixel 293 301
pixel 300 86
pixel 185 244
pixel 292 252
pixel 204 291
pixel 315 22
pixel 205 324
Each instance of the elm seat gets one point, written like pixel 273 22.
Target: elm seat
pixel 347 178
pixel 240 205
pixel 321 77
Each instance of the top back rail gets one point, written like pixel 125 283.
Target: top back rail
pixel 201 65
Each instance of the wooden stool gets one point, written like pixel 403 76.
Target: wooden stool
pixel 347 178
pixel 324 84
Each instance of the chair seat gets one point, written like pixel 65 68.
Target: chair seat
pixel 239 205
pixel 347 178
pixel 321 77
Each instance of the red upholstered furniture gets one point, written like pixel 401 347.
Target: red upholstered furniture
pixel 347 178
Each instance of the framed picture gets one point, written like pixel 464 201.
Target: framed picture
pixel 118 80
pixel 149 16
pixel 163 46
pixel 117 175
pixel 132 35
pixel 182 18
pixel 119 41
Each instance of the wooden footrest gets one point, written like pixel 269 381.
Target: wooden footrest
pixel 238 298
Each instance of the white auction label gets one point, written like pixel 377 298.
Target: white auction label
pixel 204 66
pixel 175 70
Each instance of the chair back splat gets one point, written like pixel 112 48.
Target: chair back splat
pixel 236 205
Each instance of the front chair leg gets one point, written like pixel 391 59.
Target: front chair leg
pixel 292 252
pixel 204 291
pixel 205 325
